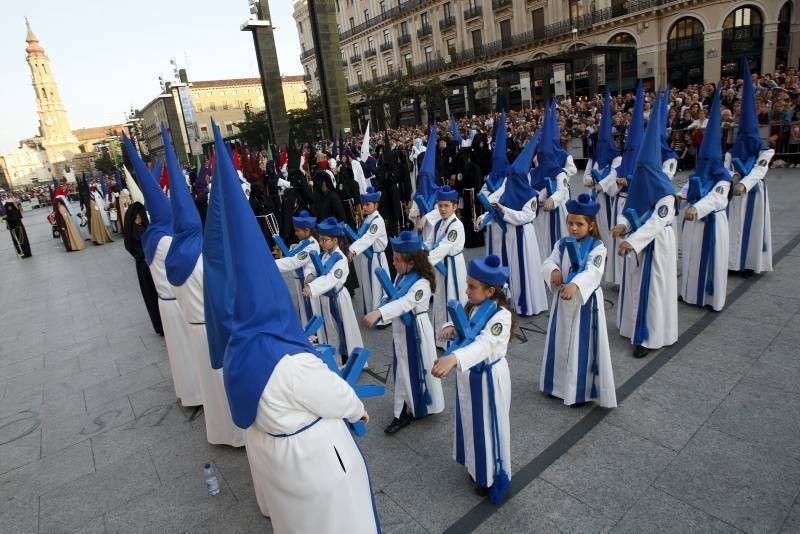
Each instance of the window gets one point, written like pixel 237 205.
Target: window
pixel 199 107
pixel 428 54
pixel 424 19
pixel 212 106
pixel 390 67
pixel 225 105
pixel 359 77
pixel 575 12
pixel 404 28
pixel 447 10
pixel 476 40
pixel 337 6
pixel 204 132
pixel 222 93
pixel 538 22
pixel 382 5
pixel 744 16
pixel 352 23
pixel 366 15
pixel 451 46
pixel 474 3
pixel 355 49
pixel 371 43
pixel 233 92
pixel 344 58
pixel 229 128
pixel 387 37
pixel 300 27
pixel 408 61
pixel 505 32
pixel 374 71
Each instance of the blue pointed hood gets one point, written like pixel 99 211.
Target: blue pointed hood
pixel 549 163
pixel 155 201
pixel 187 239
pixel 748 142
pixel 499 156
pixel 456 133
pixel 427 172
pixel 666 150
pixel 217 277
pixel 633 139
pixel 265 325
pixel 649 184
pixel 518 190
pixel 561 154
pixel 118 180
pixel 606 150
pixel 710 166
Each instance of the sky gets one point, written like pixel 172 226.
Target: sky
pixel 106 56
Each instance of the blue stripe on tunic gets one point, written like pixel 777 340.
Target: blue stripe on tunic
pixel 478 432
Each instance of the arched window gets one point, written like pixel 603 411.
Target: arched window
pixel 742 37
pixel 784 27
pixel 44 93
pixel 621 65
pixel 685 52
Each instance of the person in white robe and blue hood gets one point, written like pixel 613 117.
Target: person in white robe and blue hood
pixel 495 237
pixel 647 310
pixel 184 264
pixel 308 471
pixel 156 242
pixel 705 235
pixel 423 218
pixel 748 212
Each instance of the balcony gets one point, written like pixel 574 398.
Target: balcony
pixel 500 4
pixel 344 62
pixel 369 52
pixel 387 46
pixel 425 31
pixel 447 23
pixel 306 54
pixel 355 58
pixel 404 39
pixel 473 12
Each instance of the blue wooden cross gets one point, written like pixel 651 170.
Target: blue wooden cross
pixel 744 168
pixel 425 205
pixel 313 326
pixel 577 257
pixel 352 236
pixel 467 333
pixel 323 269
pixel 351 373
pixel 492 213
pixel 391 292
pixel 281 245
pixel 601 174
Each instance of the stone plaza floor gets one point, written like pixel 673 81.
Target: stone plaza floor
pixel 706 437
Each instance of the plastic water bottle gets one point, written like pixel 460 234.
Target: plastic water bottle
pixel 212 484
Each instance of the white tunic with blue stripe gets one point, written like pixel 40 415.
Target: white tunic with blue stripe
pixel 749 219
pixel 373 238
pixel 414 351
pixel 300 265
pixel 704 249
pixel 341 328
pixel 650 303
pixel 308 471
pixel 551 225
pixel 474 444
pixel 446 245
pixel 576 365
pixel 605 190
pixel 494 239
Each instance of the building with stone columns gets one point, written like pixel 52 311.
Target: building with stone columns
pixel 537 48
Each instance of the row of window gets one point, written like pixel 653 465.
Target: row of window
pixel 232 92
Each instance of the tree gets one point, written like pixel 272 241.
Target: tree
pixel 255 128
pixel 104 164
pixel 305 124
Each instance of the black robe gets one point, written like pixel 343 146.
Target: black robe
pixel 133 244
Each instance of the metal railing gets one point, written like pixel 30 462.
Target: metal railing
pixel 471 13
pixel 424 31
pixel 370 52
pixel 386 46
pixel 307 54
pixel 404 39
pixel 355 58
pixel 500 4
pixel 447 22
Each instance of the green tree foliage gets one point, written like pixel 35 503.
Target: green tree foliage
pixel 104 164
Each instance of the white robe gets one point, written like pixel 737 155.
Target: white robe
pixel 694 284
pixel 446 245
pixel 337 307
pixel 358 175
pixel 758 256
pixel 662 298
pixel 431 218
pixel 300 266
pixel 375 239
pixel 315 480
pixel 571 365
pixel 473 443
pixel 606 190
pixel 494 239
pixel 407 384
pixel 552 226
pixel 179 349
pixel 220 429
pixel 528 295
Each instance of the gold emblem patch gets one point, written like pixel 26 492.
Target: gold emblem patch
pixel 451 235
pixel 418 295
pixel 497 329
pixel 373 228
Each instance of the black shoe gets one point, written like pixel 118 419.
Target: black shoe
pixel 640 352
pixel 481 491
pixel 397 424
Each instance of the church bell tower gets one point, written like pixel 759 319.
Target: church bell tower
pixel 57 138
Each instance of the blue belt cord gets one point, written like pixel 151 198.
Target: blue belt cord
pixel 303 429
pixel 502 483
pixel 705 276
pixel 641 333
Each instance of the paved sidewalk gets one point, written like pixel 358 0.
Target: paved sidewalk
pixel 706 438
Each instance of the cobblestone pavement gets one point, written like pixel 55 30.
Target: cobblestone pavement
pixel 706 438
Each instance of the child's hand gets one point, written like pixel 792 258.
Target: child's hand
pixel 371 318
pixel 447 333
pixel 618 230
pixel 307 291
pixel 312 339
pixel 309 278
pixel 365 418
pixel 622 182
pixel 349 255
pixel 421 223
pixel 555 278
pixel 498 207
pixel 549 204
pixel 738 190
pixel 444 365
pixel 568 291
pixel 690 213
